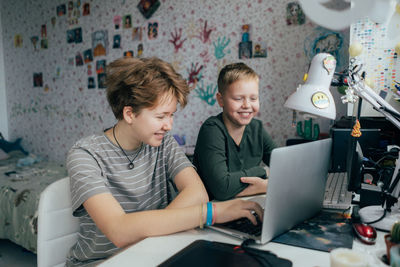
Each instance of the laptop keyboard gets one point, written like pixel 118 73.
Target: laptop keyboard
pixel 336 194
pixel 246 226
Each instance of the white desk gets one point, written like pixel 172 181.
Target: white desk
pixel 153 251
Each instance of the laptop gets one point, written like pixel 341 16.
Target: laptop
pixel 295 190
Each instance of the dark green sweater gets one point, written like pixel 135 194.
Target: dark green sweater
pixel 221 163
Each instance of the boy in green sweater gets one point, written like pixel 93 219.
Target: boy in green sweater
pixel 231 145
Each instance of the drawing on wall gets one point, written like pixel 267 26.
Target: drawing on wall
pixel 88 56
pixel 117 22
pixel 117 41
pixel 100 43
pixel 152 30
pixel 326 41
pixel 74 35
pixel 100 66
pixel 176 39
pixel 34 40
pixel 91 83
pixel 205 33
pixel 195 74
pixel 86 9
pixel 101 80
pixel 148 7
pixel 18 40
pixel 61 10
pixel 78 59
pixel 128 54
pixel 294 14
pixel 260 49
pixel 139 50
pixel 137 34
pixel 245 46
pixel 207 94
pixel 44 44
pixel 127 21
pixel 37 79
pixel 220 46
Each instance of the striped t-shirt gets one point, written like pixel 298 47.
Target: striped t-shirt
pixel 95 165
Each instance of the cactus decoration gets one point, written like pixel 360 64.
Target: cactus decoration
pixel 395 232
pixel 308 133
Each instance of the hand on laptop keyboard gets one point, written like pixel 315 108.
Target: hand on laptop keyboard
pixel 237 208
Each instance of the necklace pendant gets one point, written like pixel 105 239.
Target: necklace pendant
pixel 131 166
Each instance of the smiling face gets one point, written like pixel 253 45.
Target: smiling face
pixel 151 124
pixel 240 103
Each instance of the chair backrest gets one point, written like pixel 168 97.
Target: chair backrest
pixel 57 228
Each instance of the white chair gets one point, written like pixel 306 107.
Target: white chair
pixel 57 228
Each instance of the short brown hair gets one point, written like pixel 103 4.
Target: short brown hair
pixel 233 72
pixel 139 82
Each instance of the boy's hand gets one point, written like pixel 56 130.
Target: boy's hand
pixel 257 185
pixel 237 208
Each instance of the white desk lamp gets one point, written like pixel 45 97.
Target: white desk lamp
pixel 314 96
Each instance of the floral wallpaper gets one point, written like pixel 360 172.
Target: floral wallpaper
pixel 55 53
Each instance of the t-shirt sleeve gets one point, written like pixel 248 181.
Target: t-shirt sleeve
pixel 175 157
pixel 212 164
pixel 85 178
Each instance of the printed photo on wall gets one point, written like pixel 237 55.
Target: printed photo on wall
pixel 294 14
pixel 61 10
pixel 91 83
pixel 37 79
pixel 260 49
pixel 127 21
pixel 88 56
pixel 101 80
pixel 148 7
pixel 117 41
pixel 100 43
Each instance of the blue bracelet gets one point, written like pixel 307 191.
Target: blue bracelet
pixel 209 214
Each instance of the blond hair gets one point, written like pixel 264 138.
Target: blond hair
pixel 234 72
pixel 139 82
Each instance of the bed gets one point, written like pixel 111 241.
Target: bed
pixel 22 179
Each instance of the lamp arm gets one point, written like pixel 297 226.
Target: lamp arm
pixel 379 104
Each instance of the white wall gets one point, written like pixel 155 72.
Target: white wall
pixel 3 98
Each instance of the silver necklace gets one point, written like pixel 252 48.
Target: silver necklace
pixel 130 165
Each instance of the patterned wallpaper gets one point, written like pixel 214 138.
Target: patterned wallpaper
pixel 198 37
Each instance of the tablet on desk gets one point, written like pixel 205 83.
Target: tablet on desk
pixel 211 253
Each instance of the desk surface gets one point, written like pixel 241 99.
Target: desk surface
pixel 153 251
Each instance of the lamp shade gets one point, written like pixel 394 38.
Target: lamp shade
pixel 314 96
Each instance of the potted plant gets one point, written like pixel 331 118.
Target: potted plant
pixel 392 239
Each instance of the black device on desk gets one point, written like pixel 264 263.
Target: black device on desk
pixel 346 169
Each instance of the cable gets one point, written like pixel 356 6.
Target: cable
pixel 261 258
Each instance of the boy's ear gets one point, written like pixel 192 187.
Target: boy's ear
pixel 128 114
pixel 219 99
